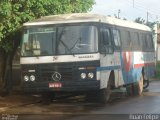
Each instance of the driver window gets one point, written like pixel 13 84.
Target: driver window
pixel 106 36
pixel 106 46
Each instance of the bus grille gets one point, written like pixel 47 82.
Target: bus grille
pixel 47 72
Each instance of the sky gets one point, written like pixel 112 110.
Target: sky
pixel 129 9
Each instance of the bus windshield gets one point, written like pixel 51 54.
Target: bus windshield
pixel 62 40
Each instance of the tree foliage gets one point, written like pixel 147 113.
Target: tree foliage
pixel 140 20
pixel 13 13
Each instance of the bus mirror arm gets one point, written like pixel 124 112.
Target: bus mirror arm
pixel 103 50
pixel 109 49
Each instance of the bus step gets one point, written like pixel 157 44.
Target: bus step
pixel 118 93
pixel 119 90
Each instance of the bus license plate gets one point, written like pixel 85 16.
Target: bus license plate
pixel 55 85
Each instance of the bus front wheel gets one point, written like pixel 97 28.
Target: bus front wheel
pixel 105 93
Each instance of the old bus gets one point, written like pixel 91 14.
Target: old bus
pixel 86 53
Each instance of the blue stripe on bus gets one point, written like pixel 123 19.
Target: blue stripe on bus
pixel 108 68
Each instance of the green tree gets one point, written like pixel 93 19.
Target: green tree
pixel 13 13
pixel 140 20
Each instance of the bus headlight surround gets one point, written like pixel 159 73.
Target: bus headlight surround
pixel 90 75
pixel 26 78
pixel 32 78
pixel 83 75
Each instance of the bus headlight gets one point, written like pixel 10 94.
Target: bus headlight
pixel 26 78
pixel 32 78
pixel 83 75
pixel 90 75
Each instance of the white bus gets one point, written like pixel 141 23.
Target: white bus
pixel 86 53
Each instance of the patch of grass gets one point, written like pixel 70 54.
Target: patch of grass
pixel 158 70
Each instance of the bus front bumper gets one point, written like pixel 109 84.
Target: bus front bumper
pixel 68 86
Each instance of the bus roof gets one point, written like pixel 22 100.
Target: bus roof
pixel 85 17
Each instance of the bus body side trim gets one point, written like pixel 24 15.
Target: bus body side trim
pixel 108 68
pixel 143 64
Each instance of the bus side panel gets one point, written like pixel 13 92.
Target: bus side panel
pixel 149 71
pixel 146 60
pixel 105 62
pixel 127 67
pixel 133 63
pixel 118 72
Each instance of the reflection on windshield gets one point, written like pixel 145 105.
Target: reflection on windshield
pixel 67 40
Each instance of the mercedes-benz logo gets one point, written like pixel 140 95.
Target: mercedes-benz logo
pixel 56 76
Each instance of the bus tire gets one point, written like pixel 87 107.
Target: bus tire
pixel 105 93
pixel 138 86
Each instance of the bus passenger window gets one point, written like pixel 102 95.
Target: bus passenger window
pixel 135 41
pixel 143 41
pixel 125 38
pixel 149 41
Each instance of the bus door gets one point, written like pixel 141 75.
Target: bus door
pixel 106 56
pixel 117 58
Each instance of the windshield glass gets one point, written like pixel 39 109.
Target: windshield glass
pixel 66 40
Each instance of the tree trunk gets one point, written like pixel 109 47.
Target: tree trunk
pixel 2 69
pixel 6 63
pixel 5 73
pixel 8 73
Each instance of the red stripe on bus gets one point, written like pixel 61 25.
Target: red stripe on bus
pixel 143 64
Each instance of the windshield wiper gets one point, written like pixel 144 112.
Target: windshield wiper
pixel 67 47
pixel 75 43
pixel 60 40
